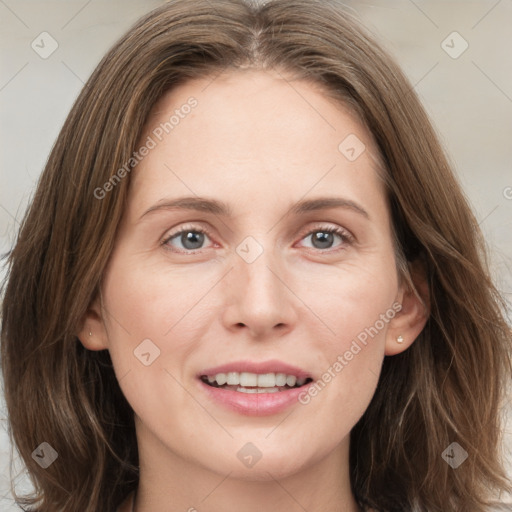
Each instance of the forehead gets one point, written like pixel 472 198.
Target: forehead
pixel 267 102
pixel 248 133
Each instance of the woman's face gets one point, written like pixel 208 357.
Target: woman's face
pixel 281 257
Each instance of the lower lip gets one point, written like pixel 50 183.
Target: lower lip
pixel 254 404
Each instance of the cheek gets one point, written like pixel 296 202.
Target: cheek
pixel 137 316
pixel 146 340
pixel 353 299
pixel 356 304
pixel 144 300
pixel 160 311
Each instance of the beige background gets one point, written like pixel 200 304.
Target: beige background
pixel 469 99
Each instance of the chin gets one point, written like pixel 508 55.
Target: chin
pixel 268 467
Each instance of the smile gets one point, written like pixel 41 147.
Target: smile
pixel 246 382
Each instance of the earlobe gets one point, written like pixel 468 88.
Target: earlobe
pixel 92 333
pixel 408 323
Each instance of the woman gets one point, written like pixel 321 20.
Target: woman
pixel 256 284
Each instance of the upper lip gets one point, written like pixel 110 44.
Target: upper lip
pixel 271 366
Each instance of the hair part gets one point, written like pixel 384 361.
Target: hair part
pixel 448 386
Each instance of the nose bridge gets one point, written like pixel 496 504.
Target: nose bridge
pixel 260 299
pixel 258 276
pixel 259 279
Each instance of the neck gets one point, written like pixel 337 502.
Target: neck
pixel 166 478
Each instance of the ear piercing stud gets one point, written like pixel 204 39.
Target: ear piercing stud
pixel 400 339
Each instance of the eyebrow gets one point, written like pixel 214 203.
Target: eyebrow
pixel 220 208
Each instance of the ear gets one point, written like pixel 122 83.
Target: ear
pixel 92 333
pixel 411 319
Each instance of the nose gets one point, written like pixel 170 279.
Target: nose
pixel 260 298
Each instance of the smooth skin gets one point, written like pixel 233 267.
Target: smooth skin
pixel 259 142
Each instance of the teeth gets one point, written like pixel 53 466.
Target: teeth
pixel 233 378
pixel 264 380
pixel 280 379
pixel 291 380
pixel 221 378
pixel 248 379
pixel 267 380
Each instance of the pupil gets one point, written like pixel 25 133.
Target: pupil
pixel 190 238
pixel 324 239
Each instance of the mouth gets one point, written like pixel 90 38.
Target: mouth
pixel 246 382
pixel 255 388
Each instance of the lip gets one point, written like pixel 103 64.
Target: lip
pixel 271 366
pixel 254 404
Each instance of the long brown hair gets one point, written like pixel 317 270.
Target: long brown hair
pixel 447 387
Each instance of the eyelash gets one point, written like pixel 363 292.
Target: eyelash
pixel 346 237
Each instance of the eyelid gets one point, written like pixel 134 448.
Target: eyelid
pixel 343 232
pixel 347 237
pixel 183 228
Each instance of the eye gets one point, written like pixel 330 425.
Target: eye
pixel 323 237
pixel 190 238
